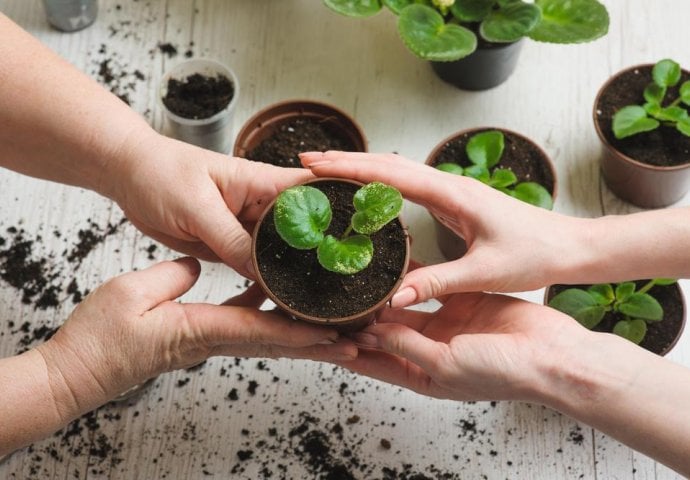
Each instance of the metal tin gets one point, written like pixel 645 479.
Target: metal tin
pixel 71 15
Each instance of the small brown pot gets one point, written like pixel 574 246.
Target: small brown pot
pixel 269 120
pixel 661 336
pixel 453 246
pixel 295 281
pixel 642 184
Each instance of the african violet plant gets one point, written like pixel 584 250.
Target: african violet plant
pixel 484 151
pixel 302 214
pixel 636 307
pixel 444 30
pixel 634 119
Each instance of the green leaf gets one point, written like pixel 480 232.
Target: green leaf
pixel 624 290
pixel 534 194
pixel 580 305
pixel 425 33
pixel 671 114
pixel 510 23
pixel 376 205
pixel 632 120
pixel 354 8
pixel 685 92
pixel 654 93
pixel 570 21
pixel 652 108
pixel 485 148
pixel 603 293
pixel 450 167
pixel 664 281
pixel 478 172
pixel 642 305
pixel 471 10
pixel 684 127
pixel 666 73
pixel 502 177
pixel 347 256
pixel 396 6
pixel 301 214
pixel 633 330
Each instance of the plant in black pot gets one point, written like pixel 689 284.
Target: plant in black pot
pixel 332 251
pixel 650 313
pixel 474 44
pixel 642 117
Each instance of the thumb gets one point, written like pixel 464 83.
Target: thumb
pixel 225 235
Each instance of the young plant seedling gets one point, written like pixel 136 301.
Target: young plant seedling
pixel 633 119
pixel 444 30
pixel 302 214
pixel 637 307
pixel 484 151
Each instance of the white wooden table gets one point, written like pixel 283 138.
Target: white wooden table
pixel 201 423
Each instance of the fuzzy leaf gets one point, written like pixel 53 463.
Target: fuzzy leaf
pixel 685 92
pixel 654 93
pixel 666 73
pixel 471 10
pixel 510 23
pixel 672 114
pixel 642 305
pixel 396 6
pixel 427 35
pixel 534 194
pixel 580 305
pixel 624 290
pixel 485 148
pixel 376 205
pixel 354 8
pixel 350 255
pixel 502 177
pixel 631 120
pixel 684 127
pixel 450 167
pixel 570 21
pixel 664 281
pixel 301 214
pixel 603 293
pixel 478 172
pixel 633 330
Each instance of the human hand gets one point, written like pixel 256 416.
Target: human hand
pixel 512 246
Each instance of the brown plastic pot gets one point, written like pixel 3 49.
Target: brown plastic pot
pixel 453 246
pixel 265 122
pixel 346 323
pixel 550 292
pixel 642 184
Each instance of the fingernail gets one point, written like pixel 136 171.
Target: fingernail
pixel 327 341
pixel 365 339
pixel 317 164
pixel 404 297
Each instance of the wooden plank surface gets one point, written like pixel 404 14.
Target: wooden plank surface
pixel 202 423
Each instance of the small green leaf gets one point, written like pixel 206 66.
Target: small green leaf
pixel 684 127
pixel 471 10
pixel 427 35
pixel 685 92
pixel 450 167
pixel 301 214
pixel 652 108
pixel 671 114
pixel 632 120
pixel 570 21
pixel 478 172
pixel 354 8
pixel 642 305
pixel 603 293
pixel 502 177
pixel 350 255
pixel 580 305
pixel 376 205
pixel 624 290
pixel 654 93
pixel 485 148
pixel 510 23
pixel 664 281
pixel 666 73
pixel 633 330
pixel 534 194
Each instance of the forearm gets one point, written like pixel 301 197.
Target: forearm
pixel 55 122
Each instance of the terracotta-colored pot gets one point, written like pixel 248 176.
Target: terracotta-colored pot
pixel 267 121
pixel 549 293
pixel 642 184
pixel 352 321
pixel 451 244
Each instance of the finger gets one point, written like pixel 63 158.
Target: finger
pixel 342 350
pixel 194 249
pixel 251 297
pixel 413 319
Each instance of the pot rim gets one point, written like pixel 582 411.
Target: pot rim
pixel 326 320
pixel 602 138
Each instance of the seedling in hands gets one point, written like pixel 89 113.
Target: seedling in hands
pixel 484 151
pixel 637 307
pixel 634 119
pixel 302 214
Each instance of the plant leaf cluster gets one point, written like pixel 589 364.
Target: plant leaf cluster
pixel 444 30
pixel 637 307
pixel 633 119
pixel 302 214
pixel 484 151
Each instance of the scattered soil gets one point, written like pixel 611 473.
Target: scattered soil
pixel 296 136
pixel 660 335
pixel 198 96
pixel 664 146
pixel 296 277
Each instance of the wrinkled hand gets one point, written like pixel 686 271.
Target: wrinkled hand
pixel 512 246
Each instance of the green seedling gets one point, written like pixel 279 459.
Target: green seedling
pixel 637 307
pixel 444 30
pixel 484 151
pixel 302 214
pixel 633 119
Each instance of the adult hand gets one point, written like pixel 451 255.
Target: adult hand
pixel 512 246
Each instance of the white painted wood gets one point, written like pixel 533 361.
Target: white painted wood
pixel 284 49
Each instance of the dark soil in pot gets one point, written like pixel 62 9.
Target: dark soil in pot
pixel 198 96
pixel 297 136
pixel 296 277
pixel 664 146
pixel 661 336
